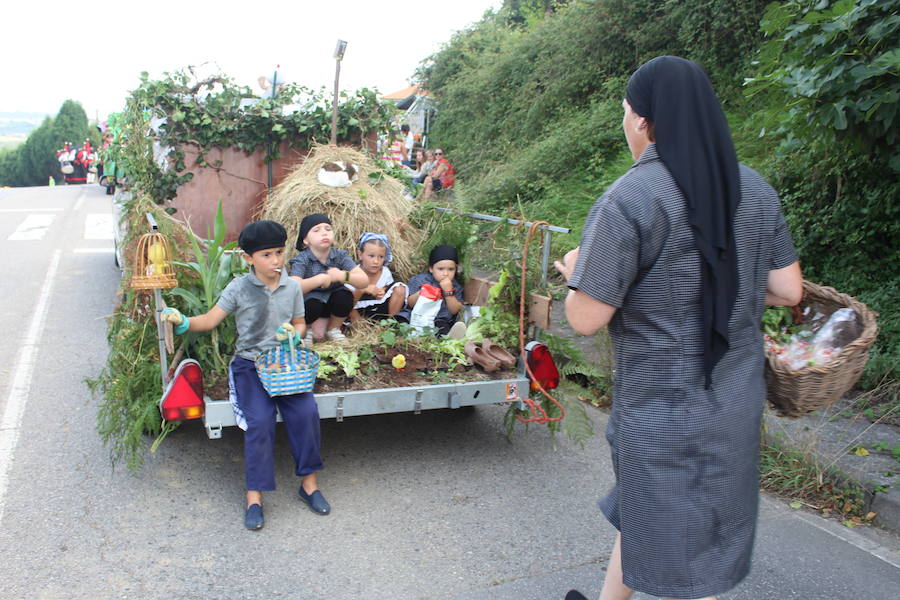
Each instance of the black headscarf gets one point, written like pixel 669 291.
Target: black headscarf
pixel 307 223
pixel 693 140
pixel 439 253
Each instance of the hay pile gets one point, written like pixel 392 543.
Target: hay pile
pixel 360 207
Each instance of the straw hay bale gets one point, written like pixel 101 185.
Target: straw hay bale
pixel 360 207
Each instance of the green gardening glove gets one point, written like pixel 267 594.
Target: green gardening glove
pixel 173 316
pixel 285 334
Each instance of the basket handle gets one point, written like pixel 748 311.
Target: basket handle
pixel 292 344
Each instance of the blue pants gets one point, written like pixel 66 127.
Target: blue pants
pixel 301 421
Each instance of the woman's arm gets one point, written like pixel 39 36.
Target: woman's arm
pixel 785 286
pixel 587 315
pixel 207 321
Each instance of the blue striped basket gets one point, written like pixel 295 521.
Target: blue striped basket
pixel 284 372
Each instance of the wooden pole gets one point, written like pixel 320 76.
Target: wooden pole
pixel 334 106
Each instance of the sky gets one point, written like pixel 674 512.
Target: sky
pixel 94 52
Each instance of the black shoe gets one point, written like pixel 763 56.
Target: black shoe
pixel 316 501
pixel 575 595
pixel 253 519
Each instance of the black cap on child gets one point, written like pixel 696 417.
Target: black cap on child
pixel 262 235
pixel 308 222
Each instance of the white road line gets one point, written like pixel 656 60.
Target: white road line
pixel 34 227
pixel 98 226
pixel 30 210
pixel 21 383
pixel 94 250
pixel 80 202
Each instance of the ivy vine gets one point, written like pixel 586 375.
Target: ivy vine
pixel 163 116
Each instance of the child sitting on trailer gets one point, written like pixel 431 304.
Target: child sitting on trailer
pixel 383 297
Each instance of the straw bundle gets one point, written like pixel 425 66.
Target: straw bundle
pixel 360 207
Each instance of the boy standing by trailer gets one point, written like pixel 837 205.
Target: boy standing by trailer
pixel 267 306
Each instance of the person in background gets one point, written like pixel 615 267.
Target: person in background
pixel 392 149
pixel 406 150
pixel 679 258
pixel 441 177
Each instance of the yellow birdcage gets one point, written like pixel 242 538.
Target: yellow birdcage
pixel 152 263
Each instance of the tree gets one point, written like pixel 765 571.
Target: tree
pixel 37 156
pixel 9 167
pixel 71 124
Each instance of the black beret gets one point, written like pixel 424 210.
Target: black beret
pixel 262 235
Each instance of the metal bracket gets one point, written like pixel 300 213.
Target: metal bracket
pixel 418 409
pixel 339 409
pixel 454 399
pixel 213 432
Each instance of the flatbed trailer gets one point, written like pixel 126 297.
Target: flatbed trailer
pixel 218 414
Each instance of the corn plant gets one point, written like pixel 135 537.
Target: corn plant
pixel 214 268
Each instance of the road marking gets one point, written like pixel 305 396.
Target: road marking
pixel 79 202
pixel 21 383
pixel 34 227
pixel 30 210
pixel 94 250
pixel 98 226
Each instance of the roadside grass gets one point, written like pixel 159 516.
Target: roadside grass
pixel 880 404
pixel 796 476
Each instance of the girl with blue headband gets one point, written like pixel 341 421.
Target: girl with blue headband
pixel 383 297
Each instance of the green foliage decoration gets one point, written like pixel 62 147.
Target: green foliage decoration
pixel 181 110
pixel 215 265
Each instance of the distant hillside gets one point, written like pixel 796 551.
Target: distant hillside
pixel 19 124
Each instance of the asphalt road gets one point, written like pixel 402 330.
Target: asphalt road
pixel 439 505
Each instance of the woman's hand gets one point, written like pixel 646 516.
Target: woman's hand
pixel 568 263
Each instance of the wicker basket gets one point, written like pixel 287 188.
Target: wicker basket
pixel 796 393
pixel 284 372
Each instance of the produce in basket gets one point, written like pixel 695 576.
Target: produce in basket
pixel 832 321
pixel 815 340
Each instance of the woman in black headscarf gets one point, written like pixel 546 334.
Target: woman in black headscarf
pixel 679 257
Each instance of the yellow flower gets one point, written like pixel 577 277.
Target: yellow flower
pixel 399 361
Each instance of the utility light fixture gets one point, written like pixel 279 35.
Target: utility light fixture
pixel 340 49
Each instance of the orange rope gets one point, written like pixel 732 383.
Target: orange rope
pixel 539 415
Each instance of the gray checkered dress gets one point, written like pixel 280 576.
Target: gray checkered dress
pixel 685 458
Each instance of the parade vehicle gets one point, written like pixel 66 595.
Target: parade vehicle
pixel 185 398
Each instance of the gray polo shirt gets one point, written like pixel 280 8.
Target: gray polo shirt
pixel 259 312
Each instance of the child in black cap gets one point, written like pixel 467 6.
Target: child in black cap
pixel 322 272
pixel 267 306
pixel 442 268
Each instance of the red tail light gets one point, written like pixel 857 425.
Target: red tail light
pixel 183 398
pixel 542 365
